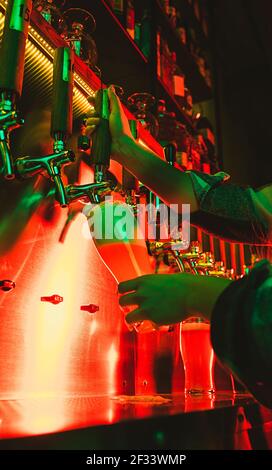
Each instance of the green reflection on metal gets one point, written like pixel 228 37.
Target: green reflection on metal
pixel 66 65
pixel 20 15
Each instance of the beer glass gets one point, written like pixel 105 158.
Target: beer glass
pixel 197 355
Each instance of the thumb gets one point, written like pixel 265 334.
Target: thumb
pixel 115 103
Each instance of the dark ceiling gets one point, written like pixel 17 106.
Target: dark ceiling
pixel 243 35
pixel 242 44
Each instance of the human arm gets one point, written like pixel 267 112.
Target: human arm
pixel 170 298
pixel 171 185
pixel 218 207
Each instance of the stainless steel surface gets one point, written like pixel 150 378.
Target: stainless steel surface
pixel 108 423
pixel 47 414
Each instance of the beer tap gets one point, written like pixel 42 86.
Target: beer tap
pixel 101 138
pixel 130 184
pixel 12 57
pixel 93 192
pixel 61 128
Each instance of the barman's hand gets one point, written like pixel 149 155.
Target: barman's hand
pixel 171 185
pixel 170 298
pixel 119 125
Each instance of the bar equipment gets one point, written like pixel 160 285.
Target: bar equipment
pixel 101 138
pixel 130 184
pixel 78 26
pixel 61 128
pixel 197 355
pixel 12 57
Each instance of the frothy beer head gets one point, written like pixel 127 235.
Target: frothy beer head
pixel 195 326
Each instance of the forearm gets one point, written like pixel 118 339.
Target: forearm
pixel 171 185
pixel 203 293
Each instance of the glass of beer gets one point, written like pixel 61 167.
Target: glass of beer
pixel 197 355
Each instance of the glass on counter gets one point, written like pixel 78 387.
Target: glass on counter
pixel 197 355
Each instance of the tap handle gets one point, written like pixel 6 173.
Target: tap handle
pixel 62 104
pixel 129 182
pixel 12 51
pixel 101 139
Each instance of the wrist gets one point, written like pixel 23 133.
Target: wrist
pixel 203 292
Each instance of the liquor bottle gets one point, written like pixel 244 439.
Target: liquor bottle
pixel 188 108
pixel 197 9
pixel 146 33
pixel 130 18
pixel 172 15
pixel 118 7
pixel 178 81
pixel 165 5
pixel 159 53
pixel 181 29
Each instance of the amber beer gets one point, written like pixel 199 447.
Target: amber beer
pixel 197 355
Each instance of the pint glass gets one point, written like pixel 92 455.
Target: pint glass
pixel 197 355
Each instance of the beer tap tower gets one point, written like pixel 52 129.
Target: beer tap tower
pixel 12 57
pixel 61 128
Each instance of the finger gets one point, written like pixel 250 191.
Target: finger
pixel 128 286
pixel 135 316
pixel 92 121
pixel 128 299
pixel 115 103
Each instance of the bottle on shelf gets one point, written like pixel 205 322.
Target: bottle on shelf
pixel 172 15
pixel 205 24
pixel 118 7
pixel 167 123
pixel 196 7
pixel 188 106
pixel 181 29
pixel 165 5
pixel 166 66
pixel 130 18
pixel 183 144
pixel 178 81
pixel 145 42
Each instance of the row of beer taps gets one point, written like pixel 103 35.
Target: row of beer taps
pixel 12 54
pixel 11 79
